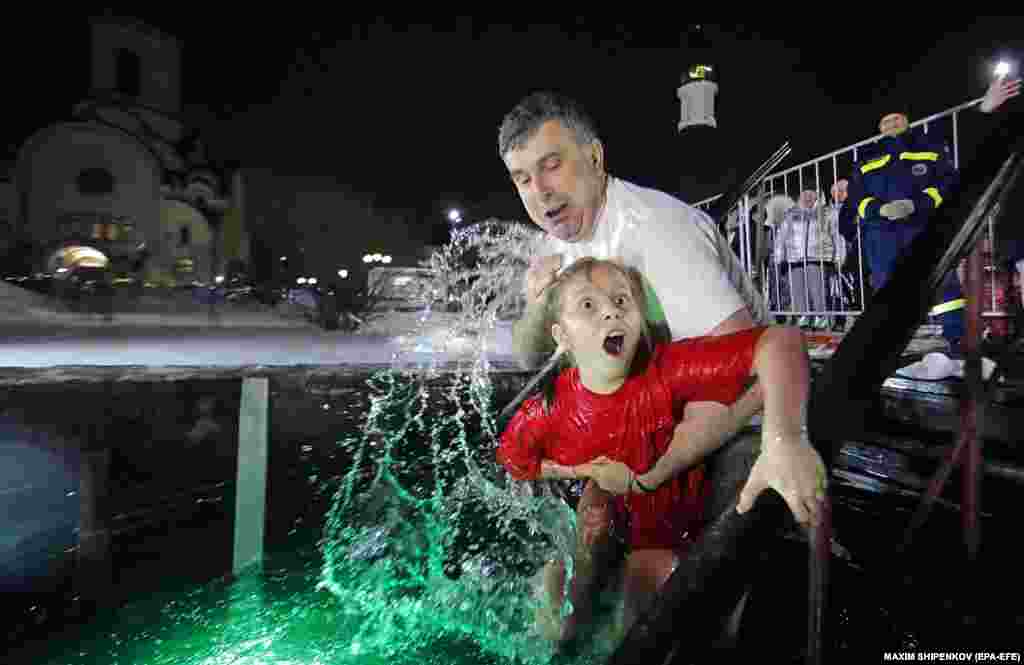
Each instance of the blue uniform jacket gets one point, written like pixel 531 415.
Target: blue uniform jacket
pixel 910 166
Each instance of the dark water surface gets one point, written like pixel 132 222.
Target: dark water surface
pixel 169 510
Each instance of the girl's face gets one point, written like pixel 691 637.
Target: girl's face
pixel 601 324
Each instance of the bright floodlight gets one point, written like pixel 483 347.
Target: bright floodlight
pixel 300 280
pixel 385 259
pixel 312 280
pixel 343 274
pixel 219 279
pixel 1002 69
pixel 454 215
pixel 376 257
pixel 284 258
pixel 367 258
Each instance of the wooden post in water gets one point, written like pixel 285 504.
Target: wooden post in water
pixel 94 566
pixel 251 485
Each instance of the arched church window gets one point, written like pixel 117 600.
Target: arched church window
pixel 129 73
pixel 95 182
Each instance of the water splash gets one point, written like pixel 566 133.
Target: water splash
pixel 427 539
pixel 429 552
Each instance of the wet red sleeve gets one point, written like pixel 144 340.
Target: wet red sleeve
pixel 710 369
pixel 521 448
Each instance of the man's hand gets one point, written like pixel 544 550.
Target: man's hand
pixel 998 92
pixel 611 476
pixel 540 274
pixel 899 209
pixel 794 469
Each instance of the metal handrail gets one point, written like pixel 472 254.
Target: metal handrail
pixel 836 153
pixel 777 296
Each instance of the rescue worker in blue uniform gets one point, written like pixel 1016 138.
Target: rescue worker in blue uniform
pixel 896 184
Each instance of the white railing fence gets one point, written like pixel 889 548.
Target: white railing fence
pixel 822 287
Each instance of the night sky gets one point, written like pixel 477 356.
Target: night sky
pixel 408 115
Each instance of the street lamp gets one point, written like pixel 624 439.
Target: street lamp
pixel 454 216
pixel 343 274
pixel 377 258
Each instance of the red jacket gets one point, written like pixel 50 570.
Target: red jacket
pixel 635 426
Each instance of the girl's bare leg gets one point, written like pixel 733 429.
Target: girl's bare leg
pixel 594 555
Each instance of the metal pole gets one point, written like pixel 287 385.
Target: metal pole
pixel 820 542
pixel 974 275
pixel 935 486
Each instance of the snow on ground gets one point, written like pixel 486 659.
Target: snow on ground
pixel 35 334
pixel 21 306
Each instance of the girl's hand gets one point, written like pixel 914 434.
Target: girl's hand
pixel 611 476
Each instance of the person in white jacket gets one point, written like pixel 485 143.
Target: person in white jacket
pixel 806 252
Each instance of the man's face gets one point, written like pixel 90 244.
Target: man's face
pixel 839 191
pixel 600 323
pixel 807 198
pixel 561 183
pixel 893 124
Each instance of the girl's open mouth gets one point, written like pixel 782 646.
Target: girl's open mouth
pixel 552 214
pixel 615 343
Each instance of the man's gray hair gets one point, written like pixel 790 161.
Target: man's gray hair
pixel 523 121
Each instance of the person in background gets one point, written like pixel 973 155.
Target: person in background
pixel 806 250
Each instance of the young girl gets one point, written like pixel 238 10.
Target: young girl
pixel 619 406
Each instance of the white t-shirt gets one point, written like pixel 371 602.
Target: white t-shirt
pixel 696 278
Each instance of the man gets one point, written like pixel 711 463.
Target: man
pixel 556 161
pixel 896 184
pixel 847 264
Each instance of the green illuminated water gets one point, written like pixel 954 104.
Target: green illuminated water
pixel 427 540
pixel 429 552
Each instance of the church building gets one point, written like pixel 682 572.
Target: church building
pixel 124 183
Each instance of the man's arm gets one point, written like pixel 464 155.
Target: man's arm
pixel 859 205
pixel 781 364
pixel 943 179
pixel 788 463
pixel 530 341
pixel 705 427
